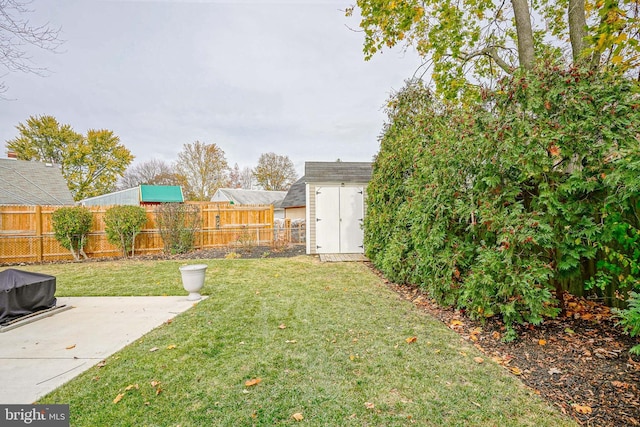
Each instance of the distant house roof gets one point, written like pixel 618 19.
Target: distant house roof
pixel 248 197
pixel 137 195
pixel 296 196
pixel 161 193
pixel 32 183
pixel 338 172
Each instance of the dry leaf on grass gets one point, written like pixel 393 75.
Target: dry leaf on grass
pixel 154 349
pixel 131 386
pixel 155 383
pixel 282 326
pixel 118 398
pixel 369 405
pixel 478 359
pixel 515 371
pixel 411 340
pixel 297 416
pixel 171 347
pixel 253 382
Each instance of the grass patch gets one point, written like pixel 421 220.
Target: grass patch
pixel 327 341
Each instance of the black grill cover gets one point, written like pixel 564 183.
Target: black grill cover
pixel 23 292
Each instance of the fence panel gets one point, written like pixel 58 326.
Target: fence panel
pixel 26 232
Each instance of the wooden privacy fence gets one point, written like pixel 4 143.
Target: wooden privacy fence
pixel 26 232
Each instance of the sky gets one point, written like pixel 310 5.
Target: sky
pixel 253 77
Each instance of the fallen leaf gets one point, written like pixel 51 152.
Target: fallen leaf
pixel 102 364
pixel 554 371
pixel 369 405
pixel 297 416
pixel 456 323
pixel 153 349
pixel 158 391
pixel 171 347
pixel 155 383
pixel 582 409
pixel 282 326
pixel 554 150
pixel 569 331
pixel 118 398
pixel 619 384
pixel 542 342
pixel 478 359
pixel 352 357
pixel 253 382
pixel 70 347
pixel 496 335
pixel 291 341
pixel 131 386
pixel 411 340
pixel 515 371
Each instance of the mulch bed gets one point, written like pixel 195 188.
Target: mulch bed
pixel 579 362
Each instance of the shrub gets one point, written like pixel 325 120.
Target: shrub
pixel 178 224
pixel 71 226
pixel 630 319
pixel 500 206
pixel 123 223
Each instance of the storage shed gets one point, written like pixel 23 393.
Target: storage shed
pixel 335 196
pixel 138 196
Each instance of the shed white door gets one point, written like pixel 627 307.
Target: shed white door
pixel 339 216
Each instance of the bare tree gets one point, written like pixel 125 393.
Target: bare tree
pixel 204 169
pixel 247 181
pixel 234 177
pixel 16 32
pixel 151 172
pixel 275 172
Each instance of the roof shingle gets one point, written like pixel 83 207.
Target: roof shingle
pixel 32 183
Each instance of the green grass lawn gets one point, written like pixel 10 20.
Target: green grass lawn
pixel 327 341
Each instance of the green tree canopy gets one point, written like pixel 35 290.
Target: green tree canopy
pixel 91 164
pixel 468 43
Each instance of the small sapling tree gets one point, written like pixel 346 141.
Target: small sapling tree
pixel 123 225
pixel 178 224
pixel 71 226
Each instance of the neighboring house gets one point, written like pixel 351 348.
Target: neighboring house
pixel 295 202
pixel 335 202
pixel 138 196
pixel 237 196
pixel 32 183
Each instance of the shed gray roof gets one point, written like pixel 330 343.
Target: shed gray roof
pixel 338 172
pixel 296 196
pixel 32 183
pixel 252 197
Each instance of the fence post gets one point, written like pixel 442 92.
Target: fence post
pixel 38 218
pixel 202 209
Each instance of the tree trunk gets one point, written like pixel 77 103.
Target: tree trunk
pixel 526 54
pixel 577 28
